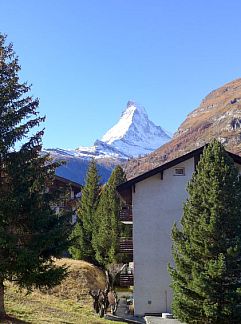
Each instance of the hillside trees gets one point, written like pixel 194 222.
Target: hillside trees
pixel 206 279
pixel 83 230
pixel 31 233
pixel 107 227
pixel 98 229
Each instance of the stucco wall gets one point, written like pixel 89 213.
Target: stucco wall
pixel 157 204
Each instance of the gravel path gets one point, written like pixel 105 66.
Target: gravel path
pixel 159 320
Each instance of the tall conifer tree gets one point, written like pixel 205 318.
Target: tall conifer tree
pixel 30 231
pixel 108 228
pixel 206 279
pixel 83 231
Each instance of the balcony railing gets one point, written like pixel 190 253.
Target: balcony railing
pixel 125 214
pixel 126 280
pixel 126 245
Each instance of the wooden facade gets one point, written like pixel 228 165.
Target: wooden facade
pixel 71 194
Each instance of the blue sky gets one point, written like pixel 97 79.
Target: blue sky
pixel 87 58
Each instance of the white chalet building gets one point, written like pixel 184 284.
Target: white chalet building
pixel 155 201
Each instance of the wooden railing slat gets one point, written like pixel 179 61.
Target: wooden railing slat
pixel 126 245
pixel 126 213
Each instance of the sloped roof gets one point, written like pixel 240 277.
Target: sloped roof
pixel 69 182
pixel 168 165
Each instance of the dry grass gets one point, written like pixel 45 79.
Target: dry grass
pixel 59 305
pixel 82 277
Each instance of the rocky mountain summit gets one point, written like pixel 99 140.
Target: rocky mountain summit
pixel 135 134
pixel 132 136
pixel 218 116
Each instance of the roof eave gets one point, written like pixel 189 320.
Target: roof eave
pixel 168 165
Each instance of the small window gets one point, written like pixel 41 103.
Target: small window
pixel 179 171
pixel 72 196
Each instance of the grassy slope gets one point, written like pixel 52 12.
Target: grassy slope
pixel 68 303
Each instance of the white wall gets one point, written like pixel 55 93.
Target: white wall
pixel 157 204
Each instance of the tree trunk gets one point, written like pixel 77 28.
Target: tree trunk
pixel 2 307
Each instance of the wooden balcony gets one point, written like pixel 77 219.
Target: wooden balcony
pixel 126 280
pixel 125 214
pixel 126 245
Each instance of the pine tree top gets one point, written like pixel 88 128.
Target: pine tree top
pixel 207 246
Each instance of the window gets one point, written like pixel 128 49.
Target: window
pixel 179 171
pixel 72 196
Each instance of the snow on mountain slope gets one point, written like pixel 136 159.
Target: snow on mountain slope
pixel 101 150
pixel 76 165
pixel 135 134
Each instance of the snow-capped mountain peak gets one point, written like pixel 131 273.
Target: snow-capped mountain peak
pixel 134 134
pixel 119 130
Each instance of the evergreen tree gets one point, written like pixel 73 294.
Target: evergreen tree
pixel 206 279
pixel 108 228
pixel 31 233
pixel 83 231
